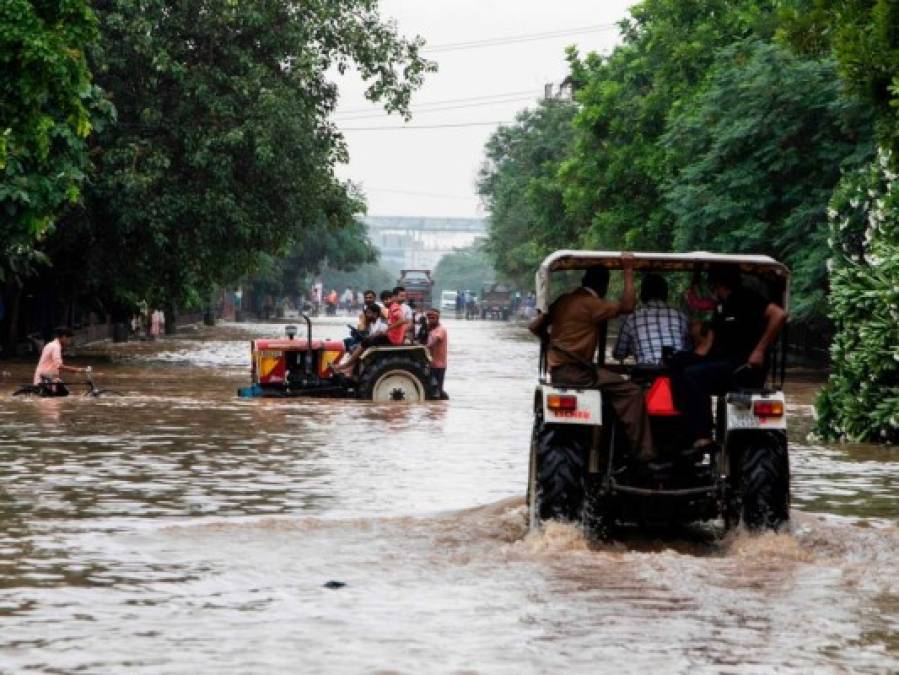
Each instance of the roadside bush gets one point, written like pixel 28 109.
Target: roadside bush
pixel 861 399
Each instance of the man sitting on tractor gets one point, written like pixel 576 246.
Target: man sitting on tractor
pixel 399 295
pixel 655 326
pixel 393 335
pixel 735 347
pixel 572 329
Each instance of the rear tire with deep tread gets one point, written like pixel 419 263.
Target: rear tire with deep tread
pixel 533 491
pixel 561 455
pixel 765 481
pixel 384 365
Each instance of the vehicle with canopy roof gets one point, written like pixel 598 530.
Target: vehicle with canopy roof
pixel 581 465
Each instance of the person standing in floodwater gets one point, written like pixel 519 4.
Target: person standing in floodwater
pixel 437 346
pixel 50 364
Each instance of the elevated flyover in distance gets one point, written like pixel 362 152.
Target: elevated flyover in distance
pixel 413 242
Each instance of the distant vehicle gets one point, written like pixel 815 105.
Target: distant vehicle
pixel 419 286
pixel 448 300
pixel 291 367
pixel 472 309
pixel 496 302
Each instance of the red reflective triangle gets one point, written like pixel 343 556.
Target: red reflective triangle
pixel 659 398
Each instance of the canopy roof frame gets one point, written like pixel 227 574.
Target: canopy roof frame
pixel 756 265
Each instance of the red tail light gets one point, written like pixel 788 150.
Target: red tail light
pixel 768 408
pixel 660 400
pixel 561 402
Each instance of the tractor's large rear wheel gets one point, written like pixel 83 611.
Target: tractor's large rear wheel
pixel 559 466
pixel 395 378
pixel 765 481
pixel 533 492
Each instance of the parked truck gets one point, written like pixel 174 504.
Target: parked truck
pixel 496 302
pixel 419 287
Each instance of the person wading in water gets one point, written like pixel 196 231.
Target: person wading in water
pixel 50 364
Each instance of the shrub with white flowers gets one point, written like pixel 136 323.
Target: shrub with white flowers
pixel 861 399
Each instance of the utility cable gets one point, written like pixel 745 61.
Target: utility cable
pixel 428 126
pixel 448 101
pixel 516 39
pixel 433 110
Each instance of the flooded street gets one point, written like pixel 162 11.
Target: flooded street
pixel 177 529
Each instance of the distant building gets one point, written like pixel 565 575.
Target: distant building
pixel 408 242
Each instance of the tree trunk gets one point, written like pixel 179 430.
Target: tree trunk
pixel 12 320
pixel 170 318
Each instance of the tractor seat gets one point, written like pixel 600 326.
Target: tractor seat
pixel 647 373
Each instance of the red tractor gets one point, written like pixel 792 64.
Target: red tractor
pixel 292 367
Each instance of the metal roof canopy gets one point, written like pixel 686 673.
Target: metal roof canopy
pixel 756 265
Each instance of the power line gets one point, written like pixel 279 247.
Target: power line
pixel 516 39
pixel 433 110
pixel 428 126
pixel 447 101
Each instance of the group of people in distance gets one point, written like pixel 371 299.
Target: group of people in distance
pixel 703 355
pixel 391 322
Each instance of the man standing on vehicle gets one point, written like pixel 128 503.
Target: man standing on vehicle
pixel 656 325
pixel 743 328
pixel 437 346
pixel 399 295
pixel 572 330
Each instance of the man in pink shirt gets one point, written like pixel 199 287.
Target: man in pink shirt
pixel 437 346
pixel 50 363
pixel 393 336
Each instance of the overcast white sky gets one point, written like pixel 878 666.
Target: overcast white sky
pixel 431 172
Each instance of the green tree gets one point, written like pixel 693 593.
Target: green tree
pixel 223 149
pixel 46 98
pixel 613 179
pixel 862 36
pixel 464 269
pixel 322 248
pixel 861 400
pixel 519 186
pixel 364 277
pixel 759 152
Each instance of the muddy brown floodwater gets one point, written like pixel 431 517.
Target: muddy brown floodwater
pixel 177 529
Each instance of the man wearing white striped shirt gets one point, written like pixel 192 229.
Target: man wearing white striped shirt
pixel 656 325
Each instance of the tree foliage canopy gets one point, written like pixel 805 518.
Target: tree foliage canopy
pixel 861 400
pixel 46 98
pixel 729 125
pixel 613 179
pixel 759 152
pixel 518 184
pixel 223 149
pixel 464 269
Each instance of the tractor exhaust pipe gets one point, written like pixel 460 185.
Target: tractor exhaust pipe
pixel 308 344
